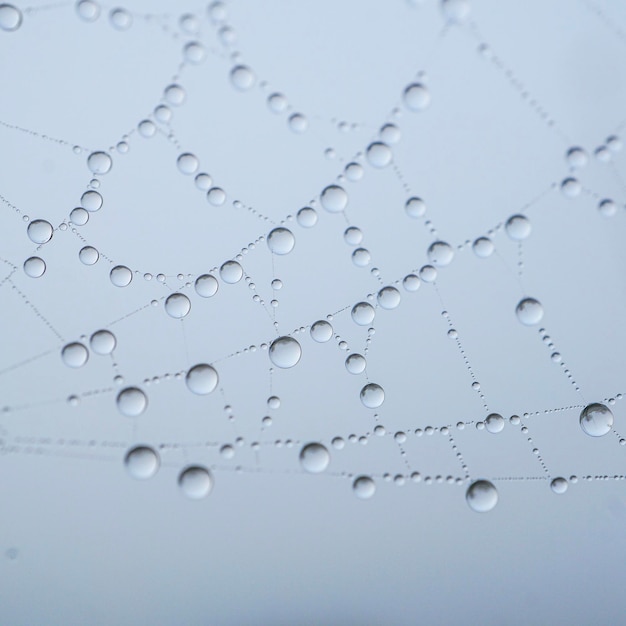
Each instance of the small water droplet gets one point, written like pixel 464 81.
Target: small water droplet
pixel 364 487
pixel 206 285
pixel 177 305
pixel 440 253
pixel 559 485
pixel 131 401
pixel 494 423
pixel 242 77
pixel 75 354
pixel 529 311
pixel 10 17
pixel 379 154
pixel 142 462
pixel 120 19
pixel 231 272
pixel 307 217
pixel 39 231
pixel 202 379
pixel 35 267
pixel 121 276
pixel 388 297
pixel 195 482
pixel 103 342
pixel 187 163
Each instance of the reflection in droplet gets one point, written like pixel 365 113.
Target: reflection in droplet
pixel 131 401
pixel 363 313
pixel 79 216
pixel 607 208
pixel 529 311
pixel 481 496
pixel 364 487
pixel 75 354
pixel 285 352
pixel 216 196
pixel 202 379
pixel 206 285
pixel 353 236
pixel 596 420
pixel 195 482
pixel 314 458
pixel 39 231
pixel 231 272
pixel 361 257
pixel 334 199
pixel 103 342
pixel 372 396
pixel 321 331
pixel 356 363
pixel 388 297
pixel 142 462
pixel 35 267
pixel 281 240
pixel 121 276
pixel 99 162
pixel 411 282
pixel 177 305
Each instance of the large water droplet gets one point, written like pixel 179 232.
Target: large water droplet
pixel 415 207
pixel 91 200
pixel 364 487
pixel 416 97
pixel 314 458
pixel 131 401
pixel 174 94
pixel 202 379
pixel 577 157
pixel 177 305
pixel 529 311
pixel 195 482
pixel 307 217
pixel 242 77
pixel 321 331
pixel 39 231
pixel 10 17
pixel 334 199
pixel 518 227
pixel 75 354
pixel 281 240
pixel 388 297
pixel 121 276
pixel 99 162
pixel 216 196
pixel 79 216
pixel 494 423
pixel 285 352
pixel 206 285
pixel 481 496
pixel 361 257
pixel 231 272
pixel 372 396
pixel 353 236
pixel 379 154
pixel 88 255
pixel 103 342
pixel 187 163
pixel 356 363
pixel 596 420
pixel 35 267
pixel 142 462
pixel 559 485
pixel 363 313
pixel 440 253
pixel 483 247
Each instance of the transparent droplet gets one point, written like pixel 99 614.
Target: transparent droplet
pixel 483 247
pixel 334 199
pixel 285 352
pixel 440 253
pixel 88 255
pixel 35 267
pixel 131 401
pixel 416 97
pixel 103 342
pixel 356 363
pixel 559 485
pixel 194 52
pixel 298 123
pixel 428 274
pixel 203 181
pixel 603 154
pixel 518 227
pixel 88 10
pixel 571 187
pixel 379 154
pixel 353 236
pixel 206 285
pixel 202 379
pixel 481 496
pixel 314 458
pixel 195 482
pixel 163 113
pixel 390 134
pixel 388 297
pixel 217 11
pixel 99 163
pixel 187 163
pixel 227 451
pixel 121 276
pixel 354 172
pixel 174 94
pixel 529 311
pixel 142 462
pixel 363 313
pixel 411 282
pixel 415 207
pixel 614 143
pixel 120 19
pixel 607 208
pixel 216 196
pixel 177 305
pixel 146 128
pixel 39 231
pixel 321 331
pixel 79 216
pixel 596 420
pixel 364 487
pixel 456 11
pixel 91 200
pixel 75 354
pixel 242 77
pixel 361 257
pixel 231 272
pixel 577 157
pixel 10 17
pixel 277 103
pixel 307 217
pixel 494 423
pixel 281 240
pixel 372 396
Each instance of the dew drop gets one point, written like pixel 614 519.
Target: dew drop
pixel 146 128
pixel 206 285
pixel 390 134
pixel 576 157
pixel 88 10
pixel 416 97
pixel 354 172
pixel 177 305
pixel 277 103
pixel 607 208
pixel 415 207
pixel 307 217
pixel 529 311
pixel 364 487
pixel 356 363
pixel 121 276
pixel 103 342
pixel 202 379
pixel 120 19
pixel 99 163
pixel 35 267
pixel 281 240
pixel 131 401
pixel 361 257
pixel 203 181
pixel 571 187
pixel 481 496
pixel 88 255
pixel 559 485
pixel 39 231
pixel 494 423
pixel 321 331
pixel 596 420
pixel 314 458
pixel 456 11
pixel 363 313
pixel 285 352
pixel 74 354
pixel 187 163
pixel 428 274
pixel 379 154
pixel 10 17
pixel 242 77
pixel 216 196
pixel 298 123
pixel 483 247
pixel 231 272
pixel 388 297
pixel 195 482
pixel 440 253
pixel 372 396
pixel 173 94
pixel 518 227
pixel 91 201
pixel 194 52
pixel 411 282
pixel 353 236
pixel 334 199
pixel 79 216
pixel 142 462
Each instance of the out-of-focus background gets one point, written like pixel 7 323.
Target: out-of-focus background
pixel 391 236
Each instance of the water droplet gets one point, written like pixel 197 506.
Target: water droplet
pixel 372 396
pixel 614 143
pixel 273 402
pixel 131 401
pixel 307 217
pixel 79 216
pixel 187 163
pixel 411 282
pixel 607 208
pixel 227 451
pixel 195 482
pixel 75 354
pixel 99 163
pixel 120 19
pixel 277 103
pixel 518 227
pixel 390 134
pixel 194 52
pixel 353 236
pixel 216 196
pixel 321 331
pixel 415 207
pixel 559 485
pixel 10 17
pixel 494 423
pixel 206 285
pixel 379 154
pixel 354 172
pixel 314 458
pixel 173 94
pixel 91 200
pixel 416 97
pixel 361 257
pixel 35 267
pixel 356 363
pixel 334 199
pixel 603 154
pixel 177 305
pixel 388 297
pixel 285 352
pixel 440 253
pixel 231 272
pixel 88 10
pixel 121 276
pixel 103 342
pixel 203 181
pixel 364 487
pixel 88 255
pixel 298 123
pixel 242 77
pixel 481 496
pixel 571 187
pixel 596 420
pixel 146 128
pixel 39 231
pixel 483 247
pixel 202 379
pixel 363 313
pixel 281 240
pixel 576 157
pixel 142 462
pixel 529 311
pixel 456 11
